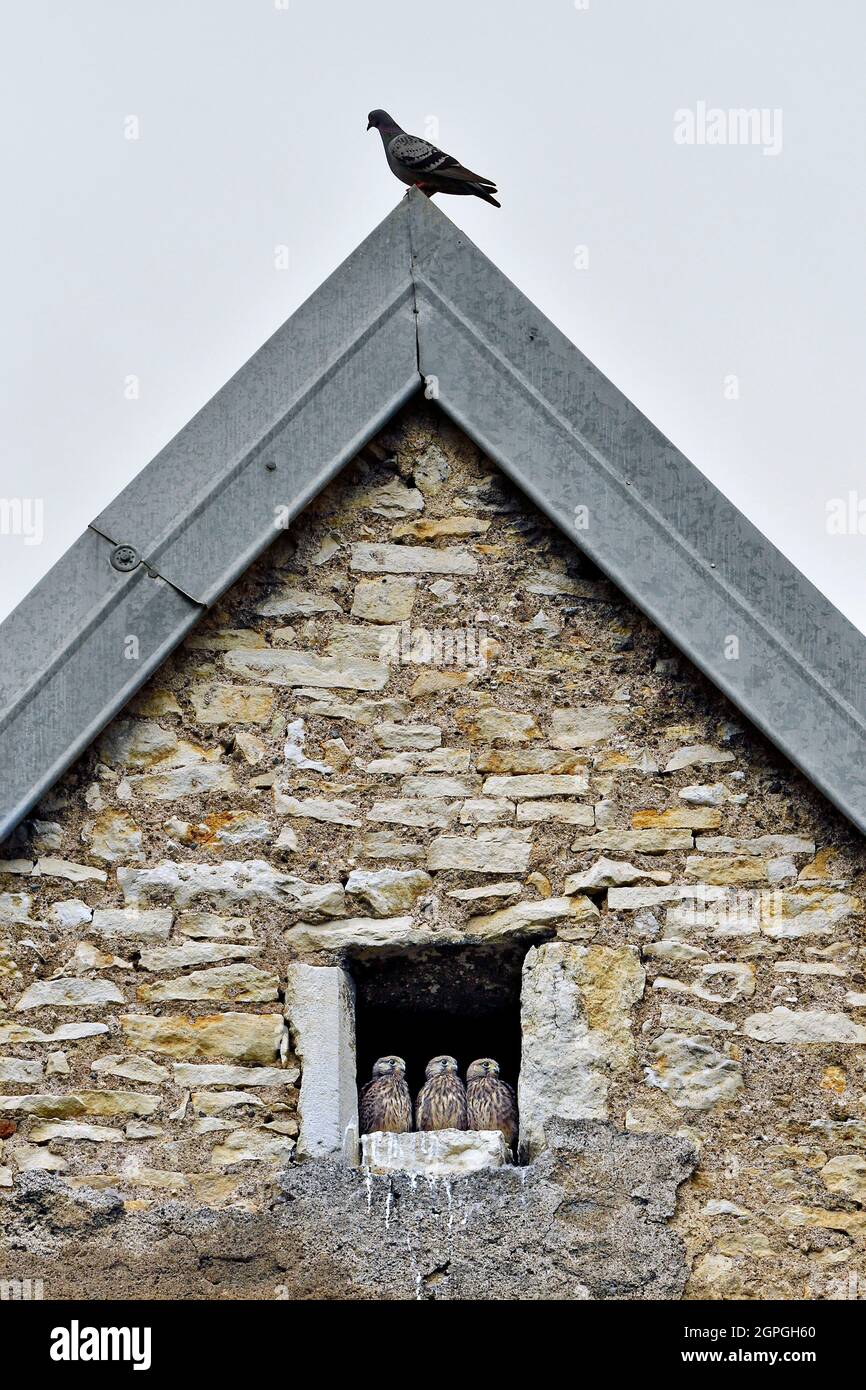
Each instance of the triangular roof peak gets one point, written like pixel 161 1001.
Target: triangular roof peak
pixel 418 303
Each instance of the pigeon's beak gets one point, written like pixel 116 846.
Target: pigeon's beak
pixel 369 125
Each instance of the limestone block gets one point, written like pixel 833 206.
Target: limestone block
pixel 320 1009
pixel 584 727
pixel 289 667
pixel 191 779
pixel 445 1153
pixel 401 737
pixel 412 559
pixel 292 602
pixel 576 1004
pixel 232 1036
pixel 540 785
pixel 610 873
pixel 804 1026
pixel 358 934
pixel 694 1073
pixel 113 923
pixel 488 852
pixel 385 599
pixel 114 835
pixel 70 993
pixel 526 918
pixel 388 892
pixel 60 1107
pixel 487 724
pixel 232 704
pixel 697 755
pixel 243 984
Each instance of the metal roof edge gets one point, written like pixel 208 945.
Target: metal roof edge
pixel 656 525
pixel 198 515
pixel 417 300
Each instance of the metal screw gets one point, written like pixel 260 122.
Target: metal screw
pixel 124 557
pixel 270 466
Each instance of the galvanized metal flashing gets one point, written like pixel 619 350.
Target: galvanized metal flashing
pixel 91 633
pixel 416 301
pixel 656 525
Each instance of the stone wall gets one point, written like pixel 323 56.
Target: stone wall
pixel 423 720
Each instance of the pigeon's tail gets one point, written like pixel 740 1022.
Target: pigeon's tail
pixel 487 196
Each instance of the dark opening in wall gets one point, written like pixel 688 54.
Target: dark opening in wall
pixel 459 1000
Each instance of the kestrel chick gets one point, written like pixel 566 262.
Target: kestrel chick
pixel 441 1102
pixel 385 1102
pixel 490 1103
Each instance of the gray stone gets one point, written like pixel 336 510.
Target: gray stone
pixel 527 918
pixel 540 785
pixel 412 559
pixel 19 1071
pixel 49 867
pixel 211 926
pixel 712 796
pixel 392 499
pixel 415 811
pixel 488 852
pixel 386 892
pixel 636 841
pixel 67 1032
pixel 583 727
pixel 385 844
pixel 434 786
pixel 408 736
pixel 588 1219
pixel 630 899
pixel 288 667
pixel 232 881
pixel 320 809
pixel 252 1146
pixel 444 1153
pixel 760 845
pixel 806 1026
pixel 697 755
pixel 563 812
pixel 239 983
pixel 69 1131
pixel 695 1075
pixel 293 602
pixel 356 933
pixel 487 810
pixel 610 873
pixel 385 599
pixel 320 1008
pixel 222 1074
pixel 576 1007
pixel 69 993
pixel 131 923
pixel 187 953
pixel 191 779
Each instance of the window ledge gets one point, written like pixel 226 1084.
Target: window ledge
pixel 441 1153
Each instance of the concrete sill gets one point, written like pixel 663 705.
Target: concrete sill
pixel 443 1153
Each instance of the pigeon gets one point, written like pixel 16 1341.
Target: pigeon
pixel 420 164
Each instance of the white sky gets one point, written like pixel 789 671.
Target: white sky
pixel 155 257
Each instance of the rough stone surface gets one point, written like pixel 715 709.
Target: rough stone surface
pixel 374 652
pixel 445 1153
pixel 576 1020
pixel 693 1071
pixel 236 1036
pixel 588 1219
pixel 321 1017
